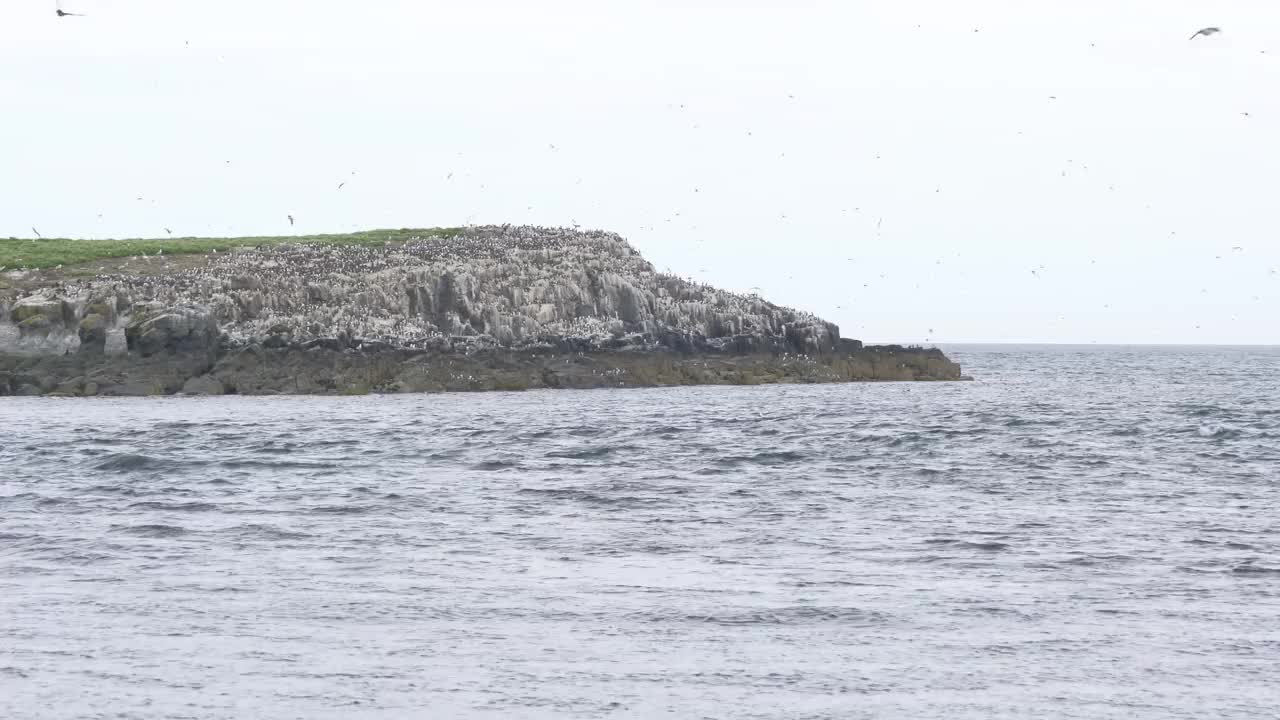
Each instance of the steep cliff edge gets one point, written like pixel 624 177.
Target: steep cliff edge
pixel 482 308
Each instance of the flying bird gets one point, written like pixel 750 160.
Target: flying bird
pixel 168 231
pixel 290 220
pixel 1205 32
pixel 64 13
pixel 340 185
pixel 37 232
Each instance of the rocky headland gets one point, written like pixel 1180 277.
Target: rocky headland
pixel 485 308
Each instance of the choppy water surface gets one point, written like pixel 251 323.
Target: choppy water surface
pixel 1079 534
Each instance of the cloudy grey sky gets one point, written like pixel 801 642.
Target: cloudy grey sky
pixel 898 167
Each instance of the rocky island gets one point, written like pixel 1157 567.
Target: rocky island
pixel 480 308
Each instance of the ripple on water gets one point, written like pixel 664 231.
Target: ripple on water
pixel 175 507
pixel 151 530
pixel 125 463
pixel 260 531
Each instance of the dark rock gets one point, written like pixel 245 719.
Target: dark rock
pixel 35 325
pixel 176 330
pixel 93 333
pixel 204 385
pixel 74 386
pixel 54 310
pixel 244 282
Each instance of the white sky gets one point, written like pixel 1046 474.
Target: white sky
pixel 881 164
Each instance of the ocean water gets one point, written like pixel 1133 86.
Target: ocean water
pixel 1080 533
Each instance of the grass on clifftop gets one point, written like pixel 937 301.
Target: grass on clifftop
pixel 51 252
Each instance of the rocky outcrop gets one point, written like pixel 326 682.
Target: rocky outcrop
pixel 492 293
pixel 171 330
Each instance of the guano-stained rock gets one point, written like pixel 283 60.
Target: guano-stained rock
pixel 495 301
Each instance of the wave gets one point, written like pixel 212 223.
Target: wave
pixel 1251 569
pixel 277 464
pixel 589 452
pixel 342 509
pixel 790 615
pixel 590 498
pixel 495 465
pixel 260 531
pixel 989 545
pixel 133 462
pixel 151 530
pixel 767 458
pixel 175 507
pixel 1219 431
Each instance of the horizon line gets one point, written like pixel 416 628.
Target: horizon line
pixel 1048 343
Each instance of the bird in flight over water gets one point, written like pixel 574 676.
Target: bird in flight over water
pixel 1205 32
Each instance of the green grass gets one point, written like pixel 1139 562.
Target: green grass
pixel 51 252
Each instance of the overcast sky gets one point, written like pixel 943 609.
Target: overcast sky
pixel 900 168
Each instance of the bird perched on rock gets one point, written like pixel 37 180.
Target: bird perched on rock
pixel 1205 32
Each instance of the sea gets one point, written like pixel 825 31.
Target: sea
pixel 1080 532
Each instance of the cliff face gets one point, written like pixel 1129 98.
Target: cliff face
pixel 510 287
pixel 490 290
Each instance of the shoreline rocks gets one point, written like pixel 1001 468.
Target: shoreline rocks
pixel 318 370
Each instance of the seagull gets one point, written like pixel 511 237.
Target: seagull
pixel 290 220
pixel 37 232
pixel 1205 32
pixel 340 185
pixel 168 231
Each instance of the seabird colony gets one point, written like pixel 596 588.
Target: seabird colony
pixel 490 286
